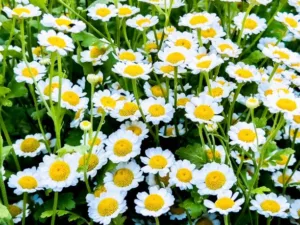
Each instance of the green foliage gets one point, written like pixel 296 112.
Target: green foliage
pixel 87 39
pixel 194 153
pixel 4 213
pixel 260 190
pixel 194 209
pixel 260 122
pixel 254 57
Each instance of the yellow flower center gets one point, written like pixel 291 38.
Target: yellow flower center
pixel 281 54
pixel 224 47
pixel 296 118
pixel 208 33
pixel 200 56
pixel 182 101
pixel 268 92
pixel 183 43
pixel 143 22
pixel 157 91
pixel 291 22
pixel 244 73
pixel 71 97
pixel 125 11
pixel 204 221
pixel 123 177
pixel 204 64
pixel 29 145
pixel 129 56
pixel 292 133
pixel 283 179
pixel 270 205
pixel 21 10
pixel 14 210
pixel 103 12
pixel 247 135
pixel 216 92
pixel 283 160
pixel 96 143
pixel 154 202
pixel 99 190
pixel 48 90
pixel 128 109
pixel 158 162
pixel 122 147
pixel 28 182
pixel 198 19
pixel 77 114
pixel 184 175
pixel 107 207
pixel 250 24
pixel 177 210
pixel 215 180
pixel 175 57
pixel 210 154
pixel 167 69
pixel 169 131
pixel 134 70
pixel 204 112
pixel 224 203
pixel 286 104
pixel 157 110
pixel 95 52
pixel 93 161
pixel 135 129
pixel 59 171
pixel 37 51
pixel 150 46
pixel 30 72
pixel 108 102
pixel 63 22
pixel 57 42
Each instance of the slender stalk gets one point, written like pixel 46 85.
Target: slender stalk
pixel 237 92
pixel 175 98
pixel 157 221
pixel 199 37
pixel 54 208
pixel 243 23
pixel 125 34
pixel 226 219
pixel 269 219
pixel 206 75
pixel 273 71
pixel 25 196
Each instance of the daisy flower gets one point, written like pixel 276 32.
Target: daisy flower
pixel 253 24
pixel 167 70
pixel 214 178
pixel 182 174
pixel 246 136
pixel 270 205
pixel 280 54
pixel 102 12
pixel 282 179
pixel 30 146
pixel 78 117
pixel 226 48
pixel 217 91
pixel 124 177
pixel 96 55
pixel 107 207
pixel 26 181
pixel 128 56
pixel 204 109
pixel 137 127
pixel 23 11
pixel 157 161
pixel 175 56
pixel 133 70
pixel 177 213
pixel 212 32
pixel 156 91
pixel 29 73
pixel 265 42
pixel 217 154
pixel 281 163
pixel 141 22
pixel 210 219
pixel 125 11
pixel 226 203
pixel 182 100
pixel 242 72
pixel 121 146
pixel 198 20
pixel 149 47
pixel 295 209
pixel 292 134
pixel 290 20
pixel 63 23
pixel 284 103
pixel 182 39
pixel 105 99
pixel 16 211
pixel 126 110
pixel 169 131
pixel 205 64
pixel 155 203
pixel 56 42
pixel 58 173
pixel 157 110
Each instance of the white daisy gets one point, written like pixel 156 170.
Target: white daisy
pixel 198 20
pixel 205 64
pixel 102 12
pixel 141 22
pixel 133 70
pixel 30 146
pixel 182 39
pixel 176 56
pixel 137 127
pixel 29 73
pixel 226 48
pixel 128 56
pixel 242 72
pixel 169 131
pixel 125 11
pixel 22 11
pixel 282 179
pixel 253 24
pixel 96 55
pixel 126 110
pixel 105 99
pixel 16 211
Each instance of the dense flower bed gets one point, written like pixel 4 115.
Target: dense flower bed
pixel 149 112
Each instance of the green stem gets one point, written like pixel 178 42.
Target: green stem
pixel 206 75
pixel 230 112
pixel 199 37
pixel 243 24
pixel 269 219
pixel 125 34
pixel 226 219
pixel 25 195
pixel 157 221
pixel 55 202
pixel 175 98
pixel 273 71
pixel 200 129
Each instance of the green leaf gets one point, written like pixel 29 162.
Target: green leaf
pixel 39 114
pixel 260 190
pixel 194 209
pixel 17 89
pixel 260 122
pixel 65 201
pixel 47 214
pixel 4 91
pixel 73 217
pixel 61 212
pixel 87 39
pixel 71 149
pixel 254 57
pixel 194 153
pixel 279 153
pixel 5 151
pixel 4 213
pixel 40 3
pixel 119 220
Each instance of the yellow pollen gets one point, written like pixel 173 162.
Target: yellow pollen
pixel 215 180
pixel 123 177
pixel 59 171
pixel 208 33
pixel 134 70
pixel 29 145
pixel 204 64
pixel 100 110
pixel 286 104
pixel 129 56
pixel 292 133
pixel 200 56
pixel 169 131
pixel 182 101
pixel 150 46
pixel 28 182
pixel 216 92
pixel 270 205
pixel 291 22
pixel 135 129
pixel 175 57
pixel 95 52
pixel 77 114
pixel 157 91
pixel 96 143
pixel 30 72
pixel 283 160
pixel 156 110
pixel 21 10
pixel 247 135
pixel 128 109
pixel 210 154
pixel 154 202
pixel 125 11
pixel 167 69
pixel 296 118
pixel 198 19
pixel 99 190
pixel 184 175
pixel 103 12
pixel 281 54
pixel 244 73
pixel 224 47
pixel 107 207
pixel 224 203
pixel 284 180
pixel 71 97
pixel 250 24
pixel 183 43
pixel 49 90
pixel 158 162
pixel 143 22
pixel 37 51
pixel 57 42
pixel 63 22
pixel 108 102
pixel 122 147
pixel 268 92
pixel 204 112
pixel 14 210
pixel 93 161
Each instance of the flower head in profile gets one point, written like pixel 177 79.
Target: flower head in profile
pixel 102 12
pixel 23 11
